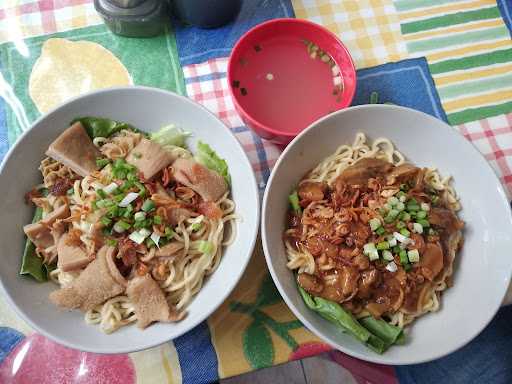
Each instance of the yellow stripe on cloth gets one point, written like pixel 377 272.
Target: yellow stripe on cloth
pixel 472 75
pixel 468 50
pixel 455 29
pixel 479 100
pixel 158 365
pixel 444 9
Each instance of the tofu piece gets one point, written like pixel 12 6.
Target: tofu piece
pixel 149 158
pixel 74 149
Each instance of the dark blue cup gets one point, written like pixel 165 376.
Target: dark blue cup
pixel 206 13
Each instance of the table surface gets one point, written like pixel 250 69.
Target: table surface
pixel 449 58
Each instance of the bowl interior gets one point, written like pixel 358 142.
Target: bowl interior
pixel 277 84
pixel 482 268
pixel 149 110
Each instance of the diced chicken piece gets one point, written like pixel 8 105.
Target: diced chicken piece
pixel 177 215
pixel 70 257
pixel 74 149
pixel 92 287
pixel 207 183
pixel 149 158
pixel 169 249
pixel 149 301
pixel 365 169
pixel 40 233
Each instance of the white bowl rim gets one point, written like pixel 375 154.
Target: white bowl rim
pixel 374 358
pixel 221 298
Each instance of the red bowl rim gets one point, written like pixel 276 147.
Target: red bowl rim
pixel 242 111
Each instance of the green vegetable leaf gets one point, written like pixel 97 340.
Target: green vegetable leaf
pixel 170 136
pixel 206 156
pixel 258 347
pixel 102 127
pixel 294 202
pixel 31 264
pixel 385 331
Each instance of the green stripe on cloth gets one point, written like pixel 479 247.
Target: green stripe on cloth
pixel 451 19
pixel 478 86
pixel 459 38
pixel 495 57
pixel 480 113
pixel 150 62
pixel 408 5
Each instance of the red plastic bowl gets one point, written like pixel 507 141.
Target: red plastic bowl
pixel 278 88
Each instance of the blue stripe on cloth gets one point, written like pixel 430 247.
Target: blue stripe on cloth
pixel 240 129
pixel 209 76
pixel 196 45
pixel 198 360
pixel 505 7
pixel 487 359
pixel 9 339
pixel 262 157
pixel 407 83
pixel 4 140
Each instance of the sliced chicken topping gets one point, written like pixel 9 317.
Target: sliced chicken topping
pixel 70 256
pixel 207 183
pixel 177 215
pixel 149 158
pixel 75 149
pixel 93 286
pixel 149 301
pixel 431 261
pixel 40 233
pixel 365 169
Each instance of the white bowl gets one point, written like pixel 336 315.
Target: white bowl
pixel 148 109
pixel 482 269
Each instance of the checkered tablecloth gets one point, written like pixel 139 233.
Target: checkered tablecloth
pixel 449 58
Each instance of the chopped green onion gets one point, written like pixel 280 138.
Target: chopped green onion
pixel 393 213
pixel 147 223
pixel 413 255
pixel 388 207
pixel 138 236
pixel 70 191
pixel 106 231
pixel 424 223
pixel 407 267
pixel 128 211
pixel 155 238
pixel 374 224
pixel 400 206
pixel 127 185
pixel 196 226
pixel 169 233
pixel 157 220
pixel 101 193
pixel 403 198
pixel 418 228
pixel 397 249
pixel 100 163
pixel 121 226
pixel 105 221
pixel 120 174
pixel 205 246
pixel 434 199
pixel 148 206
pixel 294 202
pixel 105 203
pixel 111 188
pixel 413 207
pixel 131 177
pixel 138 224
pixel 403 257
pixel 129 198
pixel 142 189
pixel 387 255
pixel 405 232
pixel 111 242
pixel 400 225
pixel 382 245
pixel 380 231
pixel 425 207
pixel 139 216
pixel 392 241
pixel 393 201
pixel 404 187
pixel 400 194
pixel 150 243
pixel 421 214
pixel 368 247
pixel 404 216
pixel 373 255
pixel 145 232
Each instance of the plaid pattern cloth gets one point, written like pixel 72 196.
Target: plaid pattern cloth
pixel 20 19
pixel 207 84
pixel 369 28
pixel 493 138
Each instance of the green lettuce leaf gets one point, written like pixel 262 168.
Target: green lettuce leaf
pixel 170 136
pixel 102 127
pixel 206 156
